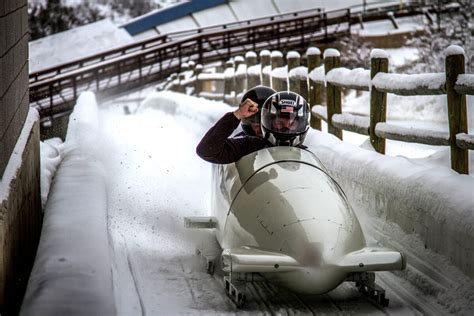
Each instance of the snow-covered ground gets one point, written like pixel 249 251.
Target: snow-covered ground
pixel 154 179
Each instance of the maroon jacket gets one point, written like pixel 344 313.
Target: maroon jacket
pixel 217 147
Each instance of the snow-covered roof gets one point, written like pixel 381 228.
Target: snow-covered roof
pixel 202 13
pixel 76 43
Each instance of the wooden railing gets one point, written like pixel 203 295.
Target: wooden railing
pixel 54 91
pixel 325 77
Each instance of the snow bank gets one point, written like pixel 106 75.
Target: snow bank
pixel 72 269
pixel 50 158
pixel 431 201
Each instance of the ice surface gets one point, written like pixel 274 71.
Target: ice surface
pixel 72 269
pixel 151 152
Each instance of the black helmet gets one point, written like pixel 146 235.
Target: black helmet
pixel 285 119
pixel 259 95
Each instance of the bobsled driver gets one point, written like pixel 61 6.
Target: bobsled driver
pixel 285 119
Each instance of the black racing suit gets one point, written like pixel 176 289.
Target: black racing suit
pixel 217 147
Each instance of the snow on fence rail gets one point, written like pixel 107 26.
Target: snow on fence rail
pixel 325 77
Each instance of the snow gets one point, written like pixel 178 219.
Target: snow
pixel 389 81
pixel 331 52
pixel 402 56
pixel 241 70
pixel 76 43
pixel 357 77
pixel 313 51
pixel 221 14
pixel 378 53
pixel 250 55
pixel 280 72
pixel 276 53
pixel 318 75
pixel 293 54
pixel 267 70
pixel 239 59
pixel 261 8
pixel 72 269
pixel 454 50
pixel 254 70
pixel 412 133
pixel 465 80
pixel 147 199
pixel 422 109
pixel 218 76
pixel 299 73
pixel 50 158
pixel 15 161
pixel 358 121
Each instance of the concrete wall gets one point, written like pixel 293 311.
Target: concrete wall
pixel 20 205
pixel 13 74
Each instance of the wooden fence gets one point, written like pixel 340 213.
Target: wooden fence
pixel 324 78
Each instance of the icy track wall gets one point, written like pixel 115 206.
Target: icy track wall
pixel 434 202
pixel 72 270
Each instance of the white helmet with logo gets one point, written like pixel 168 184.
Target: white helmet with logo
pixel 285 119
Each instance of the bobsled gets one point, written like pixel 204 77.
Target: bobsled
pixel 278 213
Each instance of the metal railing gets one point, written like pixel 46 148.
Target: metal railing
pixel 55 90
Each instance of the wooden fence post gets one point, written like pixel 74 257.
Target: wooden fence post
pixel 265 61
pixel 314 94
pixel 276 62
pixel 197 84
pixel 293 61
pixel 228 80
pixel 240 76
pixel 378 100
pixel 253 79
pixel 332 59
pixel 456 108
